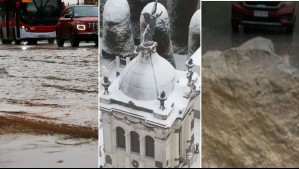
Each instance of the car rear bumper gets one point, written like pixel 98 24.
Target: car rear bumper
pixel 282 16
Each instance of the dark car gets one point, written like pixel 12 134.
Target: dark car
pixel 78 23
pixel 265 13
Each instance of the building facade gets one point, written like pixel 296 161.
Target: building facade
pixel 140 128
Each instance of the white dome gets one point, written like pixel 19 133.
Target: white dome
pixel 146 76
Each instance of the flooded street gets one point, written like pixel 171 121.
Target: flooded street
pixel 48 106
pixel 20 150
pixel 217 33
pixel 48 82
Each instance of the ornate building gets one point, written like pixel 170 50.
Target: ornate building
pixel 141 126
pixel 147 112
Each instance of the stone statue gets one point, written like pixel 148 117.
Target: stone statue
pixel 162 98
pixel 189 76
pixel 106 83
pixel 151 20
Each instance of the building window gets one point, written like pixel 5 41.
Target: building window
pixel 120 138
pixel 135 143
pixel 149 147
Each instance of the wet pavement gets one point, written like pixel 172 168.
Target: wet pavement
pixel 30 150
pixel 217 33
pixel 51 83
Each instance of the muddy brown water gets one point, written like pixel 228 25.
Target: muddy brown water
pixel 48 106
pixel 51 83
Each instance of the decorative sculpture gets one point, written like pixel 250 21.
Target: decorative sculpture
pixel 162 98
pixel 106 83
pixel 197 149
pixel 135 164
pixel 189 64
pixel 147 44
pixel 189 76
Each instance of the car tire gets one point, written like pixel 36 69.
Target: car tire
pixel 235 26
pixel 74 41
pixel 60 42
pixel 96 43
pixel 3 41
pixel 17 42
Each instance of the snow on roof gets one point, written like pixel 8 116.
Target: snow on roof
pixel 175 105
pixel 196 57
pixel 146 76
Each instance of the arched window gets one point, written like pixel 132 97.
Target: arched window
pixel 135 143
pixel 120 138
pixel 149 147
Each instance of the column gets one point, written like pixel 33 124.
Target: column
pixel 117 62
pixel 113 137
pixel 176 151
pixel 128 142
pixel 188 130
pixel 127 60
pixel 142 146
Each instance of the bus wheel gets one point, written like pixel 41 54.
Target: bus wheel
pixel 18 42
pixel 32 42
pixel 51 41
pixel 6 42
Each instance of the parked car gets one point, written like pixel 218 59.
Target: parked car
pixel 265 13
pixel 78 23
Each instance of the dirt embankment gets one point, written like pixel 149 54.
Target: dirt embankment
pixel 250 108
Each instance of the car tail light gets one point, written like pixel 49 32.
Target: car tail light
pixel 18 5
pixel 287 17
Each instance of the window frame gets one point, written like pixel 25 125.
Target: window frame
pixel 132 139
pixel 149 138
pixel 118 144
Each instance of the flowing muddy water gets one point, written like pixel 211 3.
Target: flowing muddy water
pixel 48 96
pixel 30 150
pixel 58 85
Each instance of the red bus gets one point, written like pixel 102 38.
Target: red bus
pixel 29 20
